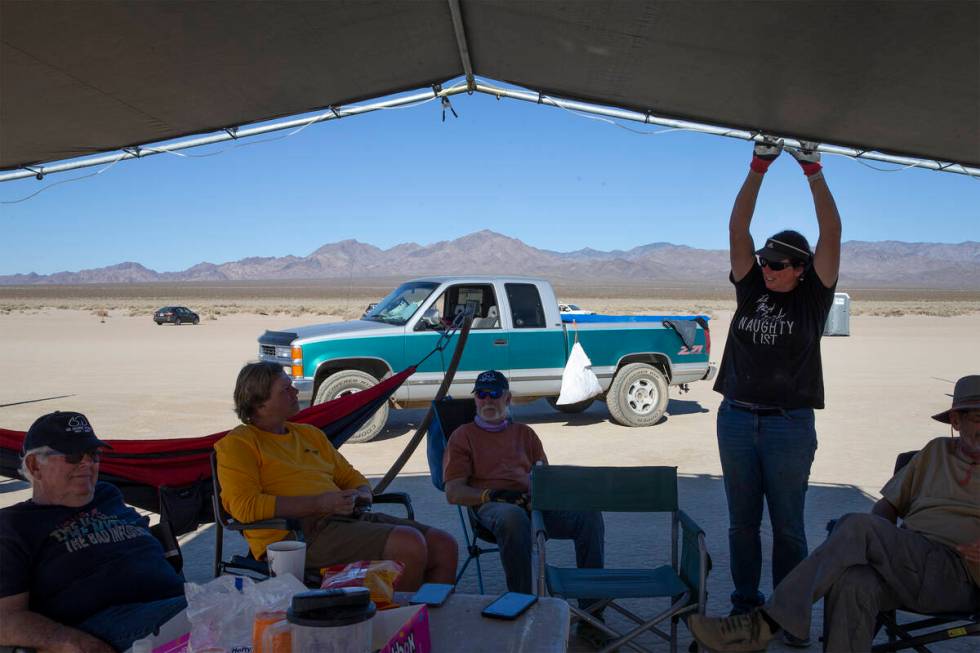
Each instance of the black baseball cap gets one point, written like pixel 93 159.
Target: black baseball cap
pixel 786 244
pixel 491 380
pixel 65 432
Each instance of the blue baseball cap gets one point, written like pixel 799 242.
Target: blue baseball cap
pixel 491 380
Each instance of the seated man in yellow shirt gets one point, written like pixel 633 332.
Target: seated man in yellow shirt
pixel 269 467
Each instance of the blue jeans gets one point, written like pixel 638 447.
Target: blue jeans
pixel 511 526
pixel 764 457
pixel 121 625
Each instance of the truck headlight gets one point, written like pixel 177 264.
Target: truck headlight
pixel 296 354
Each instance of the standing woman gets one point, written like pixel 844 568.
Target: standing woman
pixel 771 376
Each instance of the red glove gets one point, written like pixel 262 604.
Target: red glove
pixel 765 152
pixel 808 157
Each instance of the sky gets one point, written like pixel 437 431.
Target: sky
pixel 551 178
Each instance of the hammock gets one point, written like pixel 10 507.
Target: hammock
pixel 173 476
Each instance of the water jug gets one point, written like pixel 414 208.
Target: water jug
pixel 326 621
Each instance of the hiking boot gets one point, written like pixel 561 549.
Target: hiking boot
pixel 794 641
pixel 744 632
pixel 591 635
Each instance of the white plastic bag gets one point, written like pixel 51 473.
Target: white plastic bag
pixel 222 611
pixel 578 381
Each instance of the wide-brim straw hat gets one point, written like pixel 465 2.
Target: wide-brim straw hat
pixel 966 396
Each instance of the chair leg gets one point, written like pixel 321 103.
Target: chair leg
pixel 219 541
pixel 479 574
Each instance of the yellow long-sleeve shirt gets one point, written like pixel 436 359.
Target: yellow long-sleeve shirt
pixel 255 467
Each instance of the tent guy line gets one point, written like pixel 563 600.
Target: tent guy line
pixel 581 109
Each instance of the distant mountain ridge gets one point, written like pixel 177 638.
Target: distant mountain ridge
pixel 885 264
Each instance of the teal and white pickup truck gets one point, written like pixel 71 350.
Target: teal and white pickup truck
pixel 517 329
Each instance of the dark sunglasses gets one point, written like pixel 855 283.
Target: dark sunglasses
pixel 75 458
pixel 493 394
pixel 775 266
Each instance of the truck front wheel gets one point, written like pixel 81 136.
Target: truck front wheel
pixel 348 382
pixel 638 395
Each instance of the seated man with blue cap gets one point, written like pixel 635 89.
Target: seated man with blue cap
pixel 79 569
pixel 487 466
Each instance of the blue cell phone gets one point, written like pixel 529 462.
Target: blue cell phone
pixel 433 594
pixel 509 605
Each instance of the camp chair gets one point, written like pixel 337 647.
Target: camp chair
pixel 937 627
pixel 248 565
pixel 448 415
pixel 622 489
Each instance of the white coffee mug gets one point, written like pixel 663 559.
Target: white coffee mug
pixel 287 557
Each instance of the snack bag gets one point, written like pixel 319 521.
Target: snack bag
pixel 379 576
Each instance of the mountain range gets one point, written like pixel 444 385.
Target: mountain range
pixel 884 264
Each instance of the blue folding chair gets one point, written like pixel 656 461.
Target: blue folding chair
pixel 622 489
pixel 448 415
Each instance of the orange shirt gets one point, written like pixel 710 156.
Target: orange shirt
pixel 492 461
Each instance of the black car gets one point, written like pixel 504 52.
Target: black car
pixel 176 315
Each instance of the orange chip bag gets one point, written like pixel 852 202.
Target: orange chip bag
pixel 379 576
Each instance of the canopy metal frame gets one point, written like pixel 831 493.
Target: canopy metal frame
pixel 471 85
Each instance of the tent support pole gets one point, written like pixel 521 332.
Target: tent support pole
pixel 685 125
pixel 464 49
pixel 335 113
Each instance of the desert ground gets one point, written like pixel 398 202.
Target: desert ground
pixel 96 350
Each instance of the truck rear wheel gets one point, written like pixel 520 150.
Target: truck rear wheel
pixel 348 382
pixel 638 395
pixel 570 408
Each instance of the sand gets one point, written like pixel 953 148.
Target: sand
pixel 136 379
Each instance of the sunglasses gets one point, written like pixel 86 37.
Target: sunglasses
pixel 775 266
pixel 492 394
pixel 75 458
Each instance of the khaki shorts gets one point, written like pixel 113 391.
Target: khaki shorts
pixel 336 540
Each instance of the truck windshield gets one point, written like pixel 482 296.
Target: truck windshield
pixel 399 306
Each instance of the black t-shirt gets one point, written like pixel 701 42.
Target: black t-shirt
pixel 76 562
pixel 772 355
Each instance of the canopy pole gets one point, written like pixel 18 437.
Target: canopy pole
pixel 335 113
pixel 228 134
pixel 464 49
pixel 685 125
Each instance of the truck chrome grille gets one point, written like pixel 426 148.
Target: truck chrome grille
pixel 267 350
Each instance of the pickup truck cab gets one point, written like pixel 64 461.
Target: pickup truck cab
pixel 518 330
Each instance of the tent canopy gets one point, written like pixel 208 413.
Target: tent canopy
pixel 78 78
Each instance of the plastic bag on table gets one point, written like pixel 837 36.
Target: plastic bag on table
pixel 222 612
pixel 578 381
pixel 379 576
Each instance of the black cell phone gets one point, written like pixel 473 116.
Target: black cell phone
pixel 509 605
pixel 434 594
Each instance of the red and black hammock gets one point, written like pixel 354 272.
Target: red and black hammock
pixel 173 477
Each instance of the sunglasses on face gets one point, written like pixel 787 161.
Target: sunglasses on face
pixel 492 394
pixel 775 266
pixel 75 458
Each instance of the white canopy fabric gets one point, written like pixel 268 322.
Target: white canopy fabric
pixel 77 78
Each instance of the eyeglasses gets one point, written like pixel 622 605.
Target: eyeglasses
pixel 775 266
pixel 75 458
pixel 492 394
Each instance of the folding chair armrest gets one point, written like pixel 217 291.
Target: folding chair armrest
pixel 400 498
pixel 276 523
pixel 691 533
pixel 537 525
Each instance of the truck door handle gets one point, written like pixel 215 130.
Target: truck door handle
pixel 500 341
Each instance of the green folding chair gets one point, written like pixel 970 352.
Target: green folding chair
pixel 622 489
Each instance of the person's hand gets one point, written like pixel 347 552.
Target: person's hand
pixel 339 503
pixel 765 152
pixel 807 156
pixel 510 496
pixel 970 551
pixel 364 497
